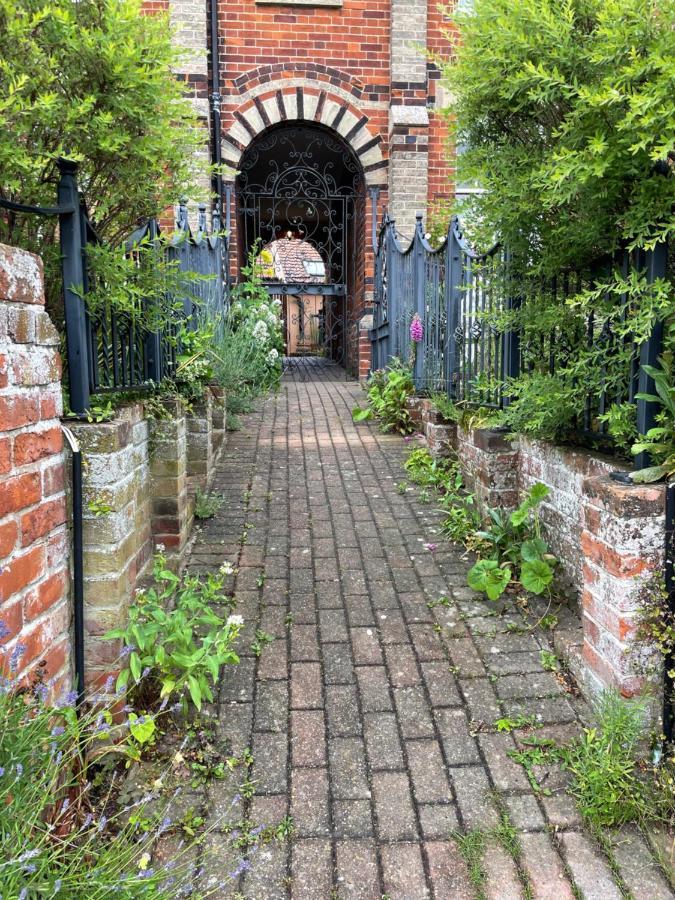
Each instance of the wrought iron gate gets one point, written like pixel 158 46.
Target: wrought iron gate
pixel 297 194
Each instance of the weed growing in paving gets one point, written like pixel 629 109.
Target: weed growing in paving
pixel 207 505
pixel 472 849
pixel 549 661
pixel 262 638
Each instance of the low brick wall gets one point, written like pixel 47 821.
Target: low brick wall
pixel 609 537
pixel 34 547
pixel 170 504
pixel 200 455
pixel 117 533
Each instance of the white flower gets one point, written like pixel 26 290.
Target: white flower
pixel 226 569
pixel 235 620
pixel 272 356
pixel 276 302
pixel 260 332
pixel 160 548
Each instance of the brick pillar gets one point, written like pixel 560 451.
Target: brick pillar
pixel 408 116
pixel 34 546
pixel 623 541
pixel 116 532
pixel 171 513
pixel 365 352
pixel 200 443
pixel 490 463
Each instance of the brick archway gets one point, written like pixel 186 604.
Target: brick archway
pixel 280 102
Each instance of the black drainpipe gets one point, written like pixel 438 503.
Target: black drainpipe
pixel 669 661
pixel 78 564
pixel 216 98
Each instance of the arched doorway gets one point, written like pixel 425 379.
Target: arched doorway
pixel 300 194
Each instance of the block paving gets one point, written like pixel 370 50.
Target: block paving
pixel 370 715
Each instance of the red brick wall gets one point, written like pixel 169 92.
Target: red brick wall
pixel 441 168
pixel 34 611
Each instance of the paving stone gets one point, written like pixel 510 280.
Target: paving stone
pixel 265 879
pixel 309 802
pixel 438 821
pixel 501 874
pixel 357 873
pixel 561 810
pixel 524 812
pixel 473 793
pixel 342 708
pixel 546 711
pixel 359 612
pixel 366 647
pixel 427 771
pixel 383 745
pixel 271 708
pixel 404 872
pixel 304 643
pixel 413 713
pixel 308 737
pixel 273 662
pixel 337 664
pixel 235 726
pixel 464 657
pixel 333 625
pixel 373 688
pixel 352 819
pixel 270 752
pixel 459 746
pixel 636 865
pixel 306 692
pixel 348 769
pixel 448 871
pixel 537 684
pixel 505 772
pixel 426 642
pixel 393 806
pixel 311 870
pixel 402 665
pixel 440 684
pixel 481 700
pixel 589 867
pixel 514 663
pixel 544 868
pixel 392 627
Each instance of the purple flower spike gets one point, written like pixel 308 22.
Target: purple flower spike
pixel 416 329
pixel 4 631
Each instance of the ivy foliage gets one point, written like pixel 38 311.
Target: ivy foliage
pixel 91 81
pixel 564 112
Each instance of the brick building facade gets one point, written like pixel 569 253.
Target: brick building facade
pixel 354 69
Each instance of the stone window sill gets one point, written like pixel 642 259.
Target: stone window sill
pixel 334 4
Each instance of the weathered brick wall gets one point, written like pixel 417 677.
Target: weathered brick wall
pixel 116 529
pixel 563 470
pixel 34 549
pixel 609 539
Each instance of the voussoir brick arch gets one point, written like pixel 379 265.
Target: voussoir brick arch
pixel 304 104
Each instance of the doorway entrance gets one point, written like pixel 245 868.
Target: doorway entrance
pixel 300 198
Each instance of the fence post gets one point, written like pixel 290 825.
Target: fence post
pixel 72 266
pixel 511 337
pixel 153 338
pixel 649 352
pixel 453 305
pixel 419 286
pixel 393 295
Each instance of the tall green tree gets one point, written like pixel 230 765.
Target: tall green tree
pixel 565 110
pixel 91 80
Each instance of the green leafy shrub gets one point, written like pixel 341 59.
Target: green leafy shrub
pixel 565 117
pixel 602 763
pixel 207 504
pixel 425 469
pixel 174 639
pixel 388 393
pixel 516 545
pixel 93 82
pixel 659 442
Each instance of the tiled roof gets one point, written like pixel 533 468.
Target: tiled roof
pixel 289 257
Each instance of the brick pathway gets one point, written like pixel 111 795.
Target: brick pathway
pixel 370 716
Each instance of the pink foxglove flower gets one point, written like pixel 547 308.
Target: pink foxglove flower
pixel 416 329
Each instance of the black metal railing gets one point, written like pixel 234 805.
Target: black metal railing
pixel 465 301
pixel 109 350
